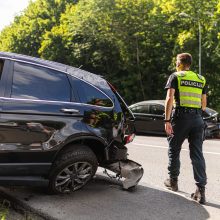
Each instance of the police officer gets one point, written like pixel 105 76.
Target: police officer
pixel 186 90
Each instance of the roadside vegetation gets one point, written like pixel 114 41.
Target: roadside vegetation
pixel 8 211
pixel 4 209
pixel 132 43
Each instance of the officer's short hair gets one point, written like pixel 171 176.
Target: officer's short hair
pixel 185 58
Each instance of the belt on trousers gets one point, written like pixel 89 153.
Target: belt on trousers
pixel 188 110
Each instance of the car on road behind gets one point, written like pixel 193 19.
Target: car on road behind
pixel 149 116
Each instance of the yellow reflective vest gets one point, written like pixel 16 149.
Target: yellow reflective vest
pixel 190 87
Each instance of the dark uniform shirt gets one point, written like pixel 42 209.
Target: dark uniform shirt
pixel 172 83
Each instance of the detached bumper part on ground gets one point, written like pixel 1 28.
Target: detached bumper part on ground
pixel 128 169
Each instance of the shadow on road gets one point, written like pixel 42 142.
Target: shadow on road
pixel 103 199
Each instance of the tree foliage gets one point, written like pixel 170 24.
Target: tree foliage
pixel 132 43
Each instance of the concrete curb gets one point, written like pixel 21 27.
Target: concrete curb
pixel 23 207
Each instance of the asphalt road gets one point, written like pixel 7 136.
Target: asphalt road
pixel 151 152
pixel 104 199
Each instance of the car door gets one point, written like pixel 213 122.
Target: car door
pixel 38 114
pixel 157 112
pixel 143 118
pixel 100 117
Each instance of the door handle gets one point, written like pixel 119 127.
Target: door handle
pixel 70 110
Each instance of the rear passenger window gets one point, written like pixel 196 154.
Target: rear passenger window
pixel 90 95
pixel 34 82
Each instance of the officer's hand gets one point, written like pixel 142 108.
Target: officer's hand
pixel 168 128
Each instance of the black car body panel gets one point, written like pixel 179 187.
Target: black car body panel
pixel 45 107
pixel 149 116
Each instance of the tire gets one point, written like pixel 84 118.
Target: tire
pixel 72 170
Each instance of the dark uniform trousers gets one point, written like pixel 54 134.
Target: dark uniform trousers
pixel 187 124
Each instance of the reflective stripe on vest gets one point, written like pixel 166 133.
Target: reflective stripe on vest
pixel 190 88
pixel 190 94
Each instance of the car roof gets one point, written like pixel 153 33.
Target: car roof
pixel 94 79
pixel 161 102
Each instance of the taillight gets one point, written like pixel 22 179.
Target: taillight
pixel 129 138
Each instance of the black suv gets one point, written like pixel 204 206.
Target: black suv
pixel 57 124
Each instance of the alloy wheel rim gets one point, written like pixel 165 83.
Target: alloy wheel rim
pixel 73 177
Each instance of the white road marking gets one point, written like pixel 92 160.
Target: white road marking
pixel 163 147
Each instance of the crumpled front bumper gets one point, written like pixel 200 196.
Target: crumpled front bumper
pixel 130 170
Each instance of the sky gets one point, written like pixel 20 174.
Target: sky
pixel 9 9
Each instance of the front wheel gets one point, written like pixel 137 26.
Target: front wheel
pixel 72 170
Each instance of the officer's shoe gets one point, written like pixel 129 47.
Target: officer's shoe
pixel 171 184
pixel 199 195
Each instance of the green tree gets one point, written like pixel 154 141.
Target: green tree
pixel 25 34
pixel 122 40
pixel 132 43
pixel 207 14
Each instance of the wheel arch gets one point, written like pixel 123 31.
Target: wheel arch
pixel 97 145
